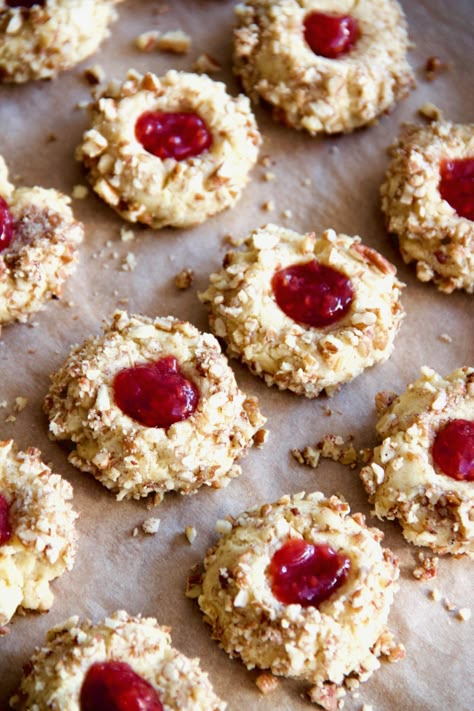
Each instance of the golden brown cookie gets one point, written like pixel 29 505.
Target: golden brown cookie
pixel 305 313
pixel 428 201
pixel 323 65
pixel 423 471
pixel 38 247
pixel 122 653
pixel 37 530
pixel 171 150
pixel 152 406
pixel 49 36
pixel 301 588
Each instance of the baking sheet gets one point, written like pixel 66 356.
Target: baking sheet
pixel 147 574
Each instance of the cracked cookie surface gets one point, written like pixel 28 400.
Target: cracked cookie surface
pixel 430 231
pixel 42 541
pixel 51 36
pixel 143 187
pixel 42 252
pixel 56 672
pixel 316 93
pixel 134 460
pixel 402 480
pixel 319 644
pixel 302 358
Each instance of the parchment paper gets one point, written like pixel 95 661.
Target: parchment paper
pixel 147 574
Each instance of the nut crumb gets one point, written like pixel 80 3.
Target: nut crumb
pixel 435 595
pixel 94 75
pixel 450 606
pixel 147 41
pixel 135 532
pixel 329 447
pixel 176 42
pixel 223 526
pixel 434 66
pixel 446 338
pixel 20 404
pixel 266 683
pixel 268 206
pixel 79 192
pixel 260 437
pixel 287 214
pixel 129 263
pixel 206 64
pixel 10 418
pixel 269 176
pixel 464 614
pixel 430 111
pixel 150 526
pixel 327 696
pixel 428 568
pixel 184 279
pixel 190 533
pixel 126 235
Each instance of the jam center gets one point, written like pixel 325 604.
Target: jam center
pixel 307 574
pixel 5 528
pixel 173 135
pixel 6 225
pixel 453 450
pixel 330 35
pixel 456 185
pixel 312 293
pixel 155 394
pixel 114 686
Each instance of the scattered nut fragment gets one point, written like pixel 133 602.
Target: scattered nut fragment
pixel 328 696
pixel 288 214
pixel 184 279
pixel 94 75
pixel 129 263
pixel 464 614
pixel 450 606
pixel 435 595
pixel 260 437
pixel 176 42
pixel 150 526
pixel 190 533
pixel 126 235
pixel 269 176
pixel 205 64
pixel 434 67
pixel 329 447
pixel 147 41
pixel 20 404
pixel 79 192
pixel 446 338
pixel 430 112
pixel 268 206
pixel 428 568
pixel 266 683
pixel 135 531
pixel 265 160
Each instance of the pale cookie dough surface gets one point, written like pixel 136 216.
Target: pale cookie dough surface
pixel 39 42
pixel 316 645
pixel 311 92
pixel 307 360
pixel 144 188
pixel 42 545
pixel 433 509
pixel 429 230
pixel 129 458
pixel 43 251
pixel 56 672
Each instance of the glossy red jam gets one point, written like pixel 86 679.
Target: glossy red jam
pixel 114 686
pixel 453 450
pixel 5 528
pixel 307 574
pixel 173 135
pixel 330 35
pixel 6 225
pixel 155 394
pixel 456 185
pixel 312 293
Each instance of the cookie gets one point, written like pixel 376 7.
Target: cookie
pixel 38 247
pixel 82 663
pixel 428 201
pixel 152 406
pixel 301 588
pixel 37 530
pixel 422 473
pixel 303 312
pixel 325 67
pixel 40 39
pixel 171 150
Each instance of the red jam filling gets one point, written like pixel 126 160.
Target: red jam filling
pixel 114 686
pixel 456 185
pixel 307 574
pixel 312 293
pixel 5 529
pixel 330 35
pixel 173 135
pixel 155 394
pixel 6 225
pixel 453 450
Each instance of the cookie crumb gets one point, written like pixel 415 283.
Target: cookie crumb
pixel 135 531
pixel 434 66
pixel 190 533
pixel 268 206
pixel 206 64
pixel 327 696
pixel 431 112
pixel 175 41
pixel 435 595
pixel 184 279
pixel 329 447
pixel 223 526
pixel 10 418
pixel 288 214
pixel 129 263
pixel 79 192
pixel 269 176
pixel 150 526
pixel 446 338
pixel 464 614
pixel 450 606
pixel 94 75
pixel 20 404
pixel 126 235
pixel 428 568
pixel 266 683
pixel 147 41
pixel 260 437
